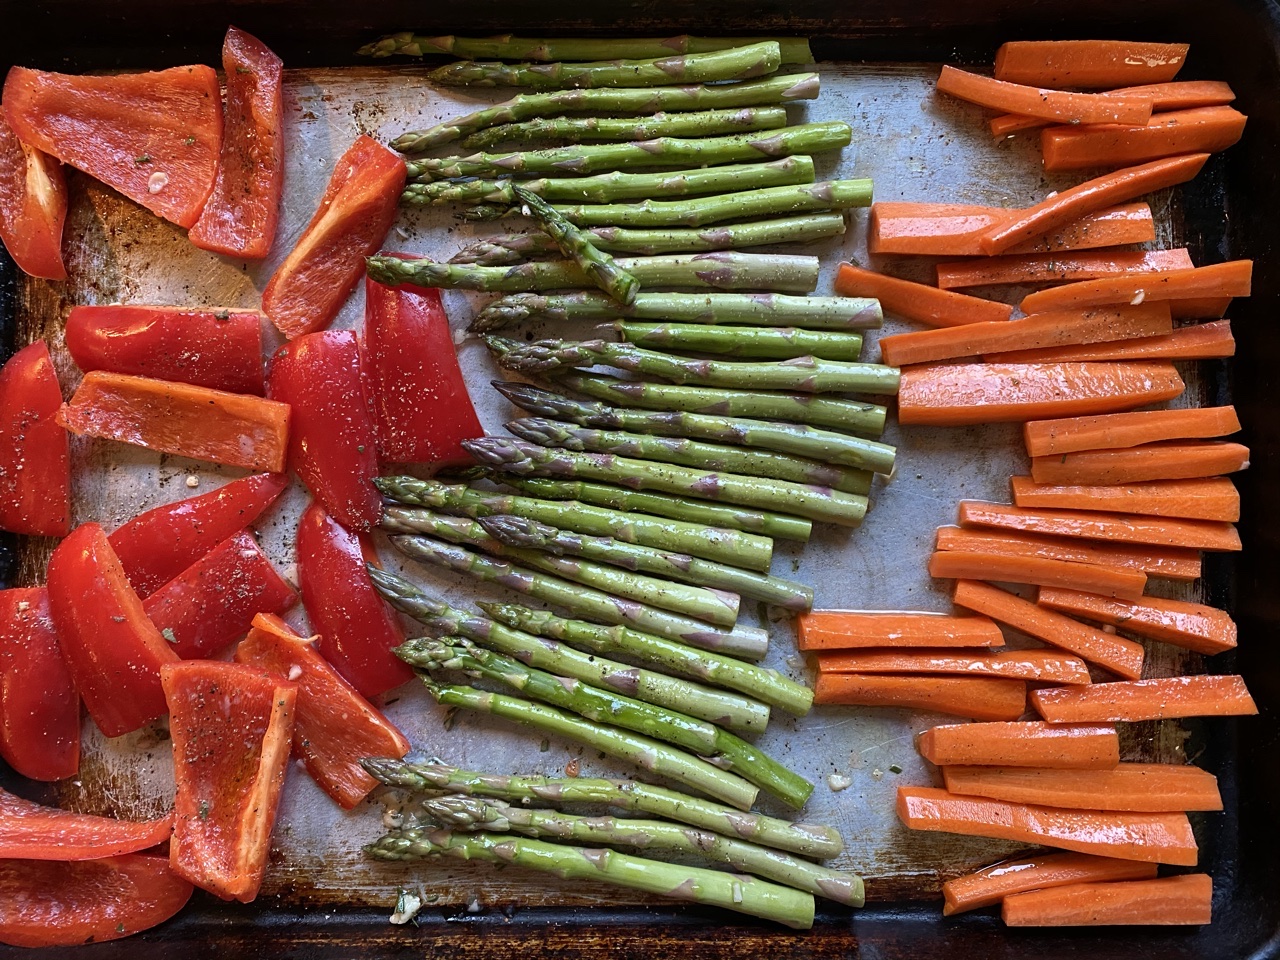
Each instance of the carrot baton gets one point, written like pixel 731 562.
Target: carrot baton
pixel 1061 268
pixel 844 629
pixel 1200 130
pixel 1043 666
pixel 1206 498
pixel 1132 787
pixel 1174 95
pixel 1045 437
pixel 980 698
pixel 1166 460
pixel 1039 871
pixel 1114 527
pixel 1169 901
pixel 1202 341
pixel 1088 64
pixel 1199 308
pixel 1132 700
pixel 1048 104
pixel 974 565
pixel 1026 743
pixel 1230 279
pixel 918 301
pixel 1194 626
pixel 1165 563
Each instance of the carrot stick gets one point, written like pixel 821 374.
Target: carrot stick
pixel 845 629
pixel 1230 279
pixel 1087 197
pixel 1045 666
pixel 981 698
pixel 1213 498
pixel 1169 901
pixel 1194 626
pixel 1169 564
pixel 1202 341
pixel 1150 837
pixel 1122 528
pixel 1131 787
pixel 975 565
pixel 1200 130
pixel 1199 308
pixel 1166 460
pixel 1033 101
pixel 1175 95
pixel 1045 437
pixel 1060 328
pixel 1038 871
pixel 1060 268
pixel 918 301
pixel 1088 64
pixel 1122 657
pixel 1133 700
pixel 952 230
pixel 1026 743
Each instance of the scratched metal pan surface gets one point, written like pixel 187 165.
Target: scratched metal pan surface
pixel 322 897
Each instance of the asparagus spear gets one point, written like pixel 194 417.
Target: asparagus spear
pixel 815 503
pixel 692 453
pixel 806 839
pixel 822 445
pixel 737 713
pixel 601 268
pixel 703 123
pixel 762 683
pixel 725 271
pixel 757 898
pixel 807 138
pixel 520 532
pixel 752 343
pixel 507 47
pixel 769 90
pixel 472 813
pixel 734 547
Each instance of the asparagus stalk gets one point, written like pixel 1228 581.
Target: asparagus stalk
pixel 703 123
pixel 822 445
pixel 731 546
pixel 738 713
pixel 520 532
pixel 752 343
pixel 725 271
pixel 601 268
pixel 807 138
pixel 806 839
pixel 757 898
pixel 815 503
pixel 759 682
pixel 507 47
pixel 472 813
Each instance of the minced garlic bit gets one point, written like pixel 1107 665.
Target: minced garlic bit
pixel 1138 298
pixel 193 481
pixel 407 906
pixel 838 782
pixel 157 181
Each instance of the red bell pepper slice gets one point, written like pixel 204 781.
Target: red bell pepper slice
pixel 333 445
pixel 336 726
pixel 208 347
pixel 155 137
pixel 33 206
pixel 214 601
pixel 240 217
pixel 357 629
pixel 39 706
pixel 35 457
pixel 309 288
pixel 420 402
pixel 65 904
pixel 32 831
pixel 231 727
pixel 232 428
pixel 114 651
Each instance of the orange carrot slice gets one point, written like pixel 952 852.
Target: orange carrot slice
pixel 1211 498
pixel 1150 837
pixel 1122 657
pixel 1199 308
pixel 1202 341
pixel 844 629
pixel 1195 626
pixel 1039 102
pixel 1062 268
pixel 1027 743
pixel 1166 460
pixel 1169 901
pixel 1133 787
pixel 974 565
pixel 918 301
pixel 1045 666
pixel 1175 95
pixel 1121 528
pixel 1088 64
pixel 1088 197
pixel 1060 328
pixel 1132 700
pixel 981 698
pixel 1230 279
pixel 1046 437
pixel 1038 871
pixel 1200 130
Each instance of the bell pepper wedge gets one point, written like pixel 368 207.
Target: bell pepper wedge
pixel 114 651
pixel 335 726
pixel 33 831
pixel 39 705
pixel 231 727
pixel 156 546
pixel 333 444
pixel 33 206
pixel 420 401
pixel 155 137
pixel 35 454
pixel 213 602
pixel 211 347
pixel 240 217
pixel 310 286
pixel 232 428
pixel 357 629
pixel 65 904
